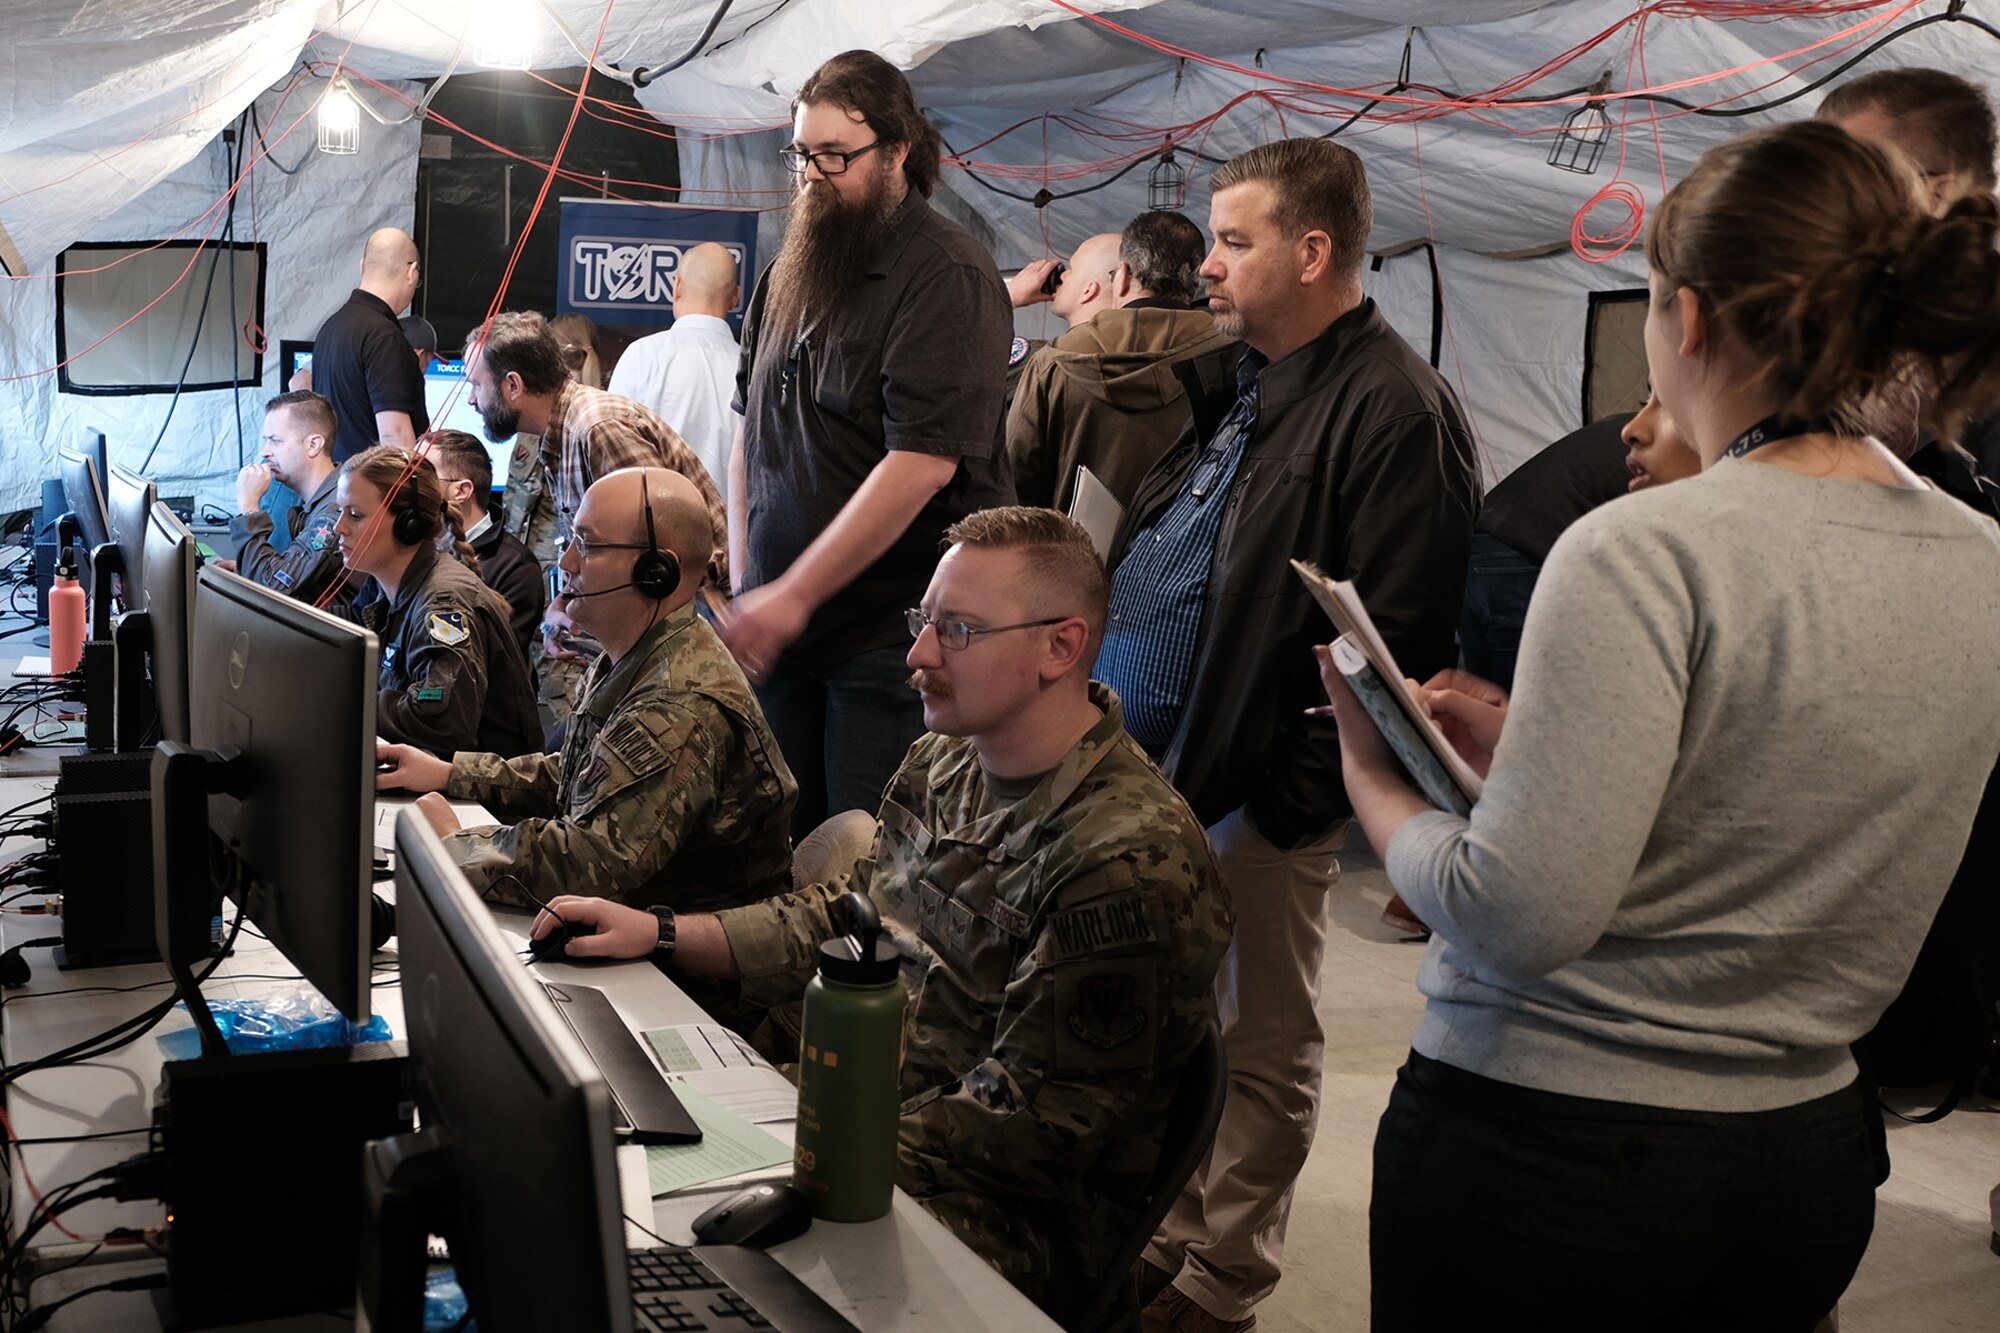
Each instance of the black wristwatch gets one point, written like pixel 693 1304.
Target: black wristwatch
pixel 664 950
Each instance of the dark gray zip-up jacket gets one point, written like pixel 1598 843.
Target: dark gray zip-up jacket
pixel 311 563
pixel 1361 463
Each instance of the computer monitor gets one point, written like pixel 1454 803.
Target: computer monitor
pixel 86 531
pixel 448 399
pixel 511 1109
pixel 152 642
pixel 272 800
pixel 90 442
pixel 83 492
pixel 128 504
pixel 294 355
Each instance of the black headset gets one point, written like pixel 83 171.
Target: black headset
pixel 655 573
pixel 410 528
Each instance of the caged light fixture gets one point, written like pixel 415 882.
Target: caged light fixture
pixel 1166 183
pixel 506 38
pixel 339 119
pixel 1582 138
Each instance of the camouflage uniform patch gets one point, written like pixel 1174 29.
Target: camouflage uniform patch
pixel 1105 1020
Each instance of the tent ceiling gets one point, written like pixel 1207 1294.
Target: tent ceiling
pixel 102 98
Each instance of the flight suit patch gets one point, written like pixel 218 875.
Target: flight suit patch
pixel 429 694
pixel 448 628
pixel 1105 1015
pixel 282 578
pixel 1017 351
pixel 318 537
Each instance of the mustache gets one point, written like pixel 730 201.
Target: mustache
pixel 928 682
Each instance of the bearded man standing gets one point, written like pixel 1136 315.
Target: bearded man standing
pixel 870 386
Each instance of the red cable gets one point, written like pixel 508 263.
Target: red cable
pixel 369 529
pixel 29 1180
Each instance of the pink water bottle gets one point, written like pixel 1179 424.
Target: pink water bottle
pixel 66 617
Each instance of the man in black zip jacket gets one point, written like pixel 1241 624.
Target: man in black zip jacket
pixel 1322 437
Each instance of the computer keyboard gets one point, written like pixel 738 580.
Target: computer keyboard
pixel 674 1290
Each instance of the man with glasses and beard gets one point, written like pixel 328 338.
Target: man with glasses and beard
pixel 871 384
pixel 515 373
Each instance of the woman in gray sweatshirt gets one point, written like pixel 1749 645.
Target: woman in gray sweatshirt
pixel 1753 716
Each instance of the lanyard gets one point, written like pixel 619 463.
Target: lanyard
pixel 1774 427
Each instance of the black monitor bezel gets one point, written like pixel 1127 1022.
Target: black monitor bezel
pixel 273 811
pixel 499 1077
pixel 73 465
pixel 171 560
pixel 123 487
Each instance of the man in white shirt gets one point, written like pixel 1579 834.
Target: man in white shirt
pixel 687 374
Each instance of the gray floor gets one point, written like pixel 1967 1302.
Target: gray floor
pixel 1928 1267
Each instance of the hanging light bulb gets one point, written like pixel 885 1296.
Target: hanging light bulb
pixel 507 39
pixel 1581 140
pixel 1166 183
pixel 339 120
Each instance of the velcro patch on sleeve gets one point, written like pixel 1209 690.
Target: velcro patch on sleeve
pixel 1103 925
pixel 1107 1015
pixel 635 747
pixel 1017 351
pixel 449 628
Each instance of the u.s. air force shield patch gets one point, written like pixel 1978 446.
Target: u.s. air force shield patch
pixel 1017 352
pixel 448 628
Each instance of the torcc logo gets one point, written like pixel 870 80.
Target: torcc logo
pixel 613 271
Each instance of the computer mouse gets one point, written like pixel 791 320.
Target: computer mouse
pixel 550 947
pixel 758 1216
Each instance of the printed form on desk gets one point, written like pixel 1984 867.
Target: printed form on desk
pixel 730 1146
pixel 721 1066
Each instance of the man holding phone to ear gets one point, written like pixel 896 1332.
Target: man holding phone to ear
pixel 669 788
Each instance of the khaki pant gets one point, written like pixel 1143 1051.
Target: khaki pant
pixel 1224 1238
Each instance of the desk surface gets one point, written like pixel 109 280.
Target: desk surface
pixel 903 1271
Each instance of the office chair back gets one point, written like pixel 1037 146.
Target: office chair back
pixel 1191 1120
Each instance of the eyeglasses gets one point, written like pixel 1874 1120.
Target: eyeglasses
pixel 584 546
pixel 956 634
pixel 831 162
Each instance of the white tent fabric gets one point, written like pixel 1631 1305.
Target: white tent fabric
pixel 110 109
pixel 313 223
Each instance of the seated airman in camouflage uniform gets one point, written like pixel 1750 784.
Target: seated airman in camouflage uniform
pixel 1058 911
pixel 669 788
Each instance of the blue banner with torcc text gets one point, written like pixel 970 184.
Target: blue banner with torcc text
pixel 618 259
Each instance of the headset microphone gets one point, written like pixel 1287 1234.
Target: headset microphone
pixel 568 596
pixel 656 573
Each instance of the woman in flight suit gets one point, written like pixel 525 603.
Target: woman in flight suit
pixel 452 677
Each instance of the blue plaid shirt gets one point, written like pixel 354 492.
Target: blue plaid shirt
pixel 1157 591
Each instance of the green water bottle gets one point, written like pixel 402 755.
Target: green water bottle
pixel 850 1072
